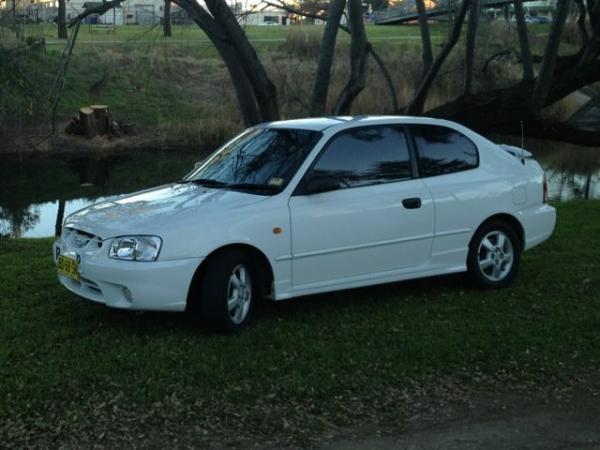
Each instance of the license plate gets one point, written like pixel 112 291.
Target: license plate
pixel 68 267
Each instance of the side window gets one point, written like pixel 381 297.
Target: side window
pixel 443 150
pixel 365 156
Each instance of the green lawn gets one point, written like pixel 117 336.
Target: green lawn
pixel 192 32
pixel 74 372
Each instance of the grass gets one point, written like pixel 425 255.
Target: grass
pixel 75 373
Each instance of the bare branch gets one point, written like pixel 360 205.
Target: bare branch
pixel 378 60
pixel 418 101
pixel 100 9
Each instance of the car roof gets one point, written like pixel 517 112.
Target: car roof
pixel 341 122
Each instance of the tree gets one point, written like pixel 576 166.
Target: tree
pixel 523 41
pixel 167 19
pixel 427 54
pixel 61 20
pixel 470 48
pixel 544 81
pixel 418 101
pixel 359 52
pixel 256 93
pixel 325 60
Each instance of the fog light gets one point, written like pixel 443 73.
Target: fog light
pixel 127 294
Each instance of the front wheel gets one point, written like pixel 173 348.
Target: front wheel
pixel 227 292
pixel 494 255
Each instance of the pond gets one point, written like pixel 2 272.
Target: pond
pixel 33 195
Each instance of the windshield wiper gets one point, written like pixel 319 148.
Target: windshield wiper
pixel 206 182
pixel 254 187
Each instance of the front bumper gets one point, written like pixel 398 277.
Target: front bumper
pixel 153 286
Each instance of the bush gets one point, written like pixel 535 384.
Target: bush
pixel 303 43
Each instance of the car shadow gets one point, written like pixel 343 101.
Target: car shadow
pixel 300 308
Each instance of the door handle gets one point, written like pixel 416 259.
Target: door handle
pixel 412 203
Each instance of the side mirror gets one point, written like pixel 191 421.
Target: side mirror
pixel 320 183
pixel 198 164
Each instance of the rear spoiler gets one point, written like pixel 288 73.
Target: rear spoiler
pixel 517 152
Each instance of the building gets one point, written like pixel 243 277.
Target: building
pixel 143 12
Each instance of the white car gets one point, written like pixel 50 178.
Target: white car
pixel 307 206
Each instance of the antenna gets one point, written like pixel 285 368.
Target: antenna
pixel 522 144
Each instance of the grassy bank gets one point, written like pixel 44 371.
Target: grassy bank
pixel 178 89
pixel 77 373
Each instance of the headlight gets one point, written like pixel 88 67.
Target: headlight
pixel 135 248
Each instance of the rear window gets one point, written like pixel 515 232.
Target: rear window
pixel 443 150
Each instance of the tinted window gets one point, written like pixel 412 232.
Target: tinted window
pixel 366 156
pixel 443 150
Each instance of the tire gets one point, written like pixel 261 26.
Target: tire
pixel 494 254
pixel 226 305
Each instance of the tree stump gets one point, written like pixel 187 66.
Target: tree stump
pixel 93 121
pixel 102 118
pixel 87 122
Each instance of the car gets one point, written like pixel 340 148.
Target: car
pixel 307 206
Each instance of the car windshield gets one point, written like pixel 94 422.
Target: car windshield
pixel 261 159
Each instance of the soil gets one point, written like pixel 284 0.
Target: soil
pixel 38 143
pixel 491 421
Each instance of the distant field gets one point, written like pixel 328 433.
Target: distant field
pixel 191 32
pixel 182 33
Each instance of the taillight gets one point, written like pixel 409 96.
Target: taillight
pixel 545 190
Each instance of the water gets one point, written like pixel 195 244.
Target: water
pixel 34 195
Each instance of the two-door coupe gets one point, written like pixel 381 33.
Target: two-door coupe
pixel 306 206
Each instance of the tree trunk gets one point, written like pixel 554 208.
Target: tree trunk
pixel 167 19
pixel 60 215
pixel 470 45
pixel 417 103
pixel 264 89
pixel 326 53
pixel 523 41
pixel 502 110
pixel 61 20
pixel 583 33
pixel 544 81
pixel 241 83
pixel 427 53
pixel 359 51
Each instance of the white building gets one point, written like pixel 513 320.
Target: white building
pixel 145 12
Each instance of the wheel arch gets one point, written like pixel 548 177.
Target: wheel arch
pixel 507 219
pixel 263 267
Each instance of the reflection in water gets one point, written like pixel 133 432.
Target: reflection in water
pixel 28 192
pixel 572 172
pixel 41 220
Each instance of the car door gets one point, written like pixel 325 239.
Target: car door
pixel 447 164
pixel 378 219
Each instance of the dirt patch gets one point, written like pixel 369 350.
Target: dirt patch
pixel 39 144
pixel 488 421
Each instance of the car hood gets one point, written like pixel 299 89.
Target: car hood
pixel 154 210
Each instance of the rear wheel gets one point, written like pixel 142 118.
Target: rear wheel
pixel 227 292
pixel 494 255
